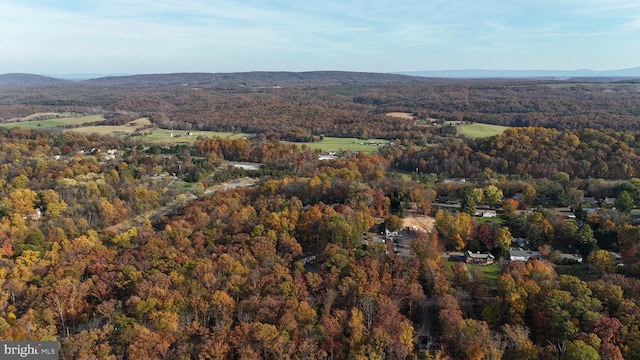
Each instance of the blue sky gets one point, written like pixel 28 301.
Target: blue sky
pixel 162 36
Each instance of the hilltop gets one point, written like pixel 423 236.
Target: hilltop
pixel 28 79
pixel 526 74
pixel 249 79
pixel 257 78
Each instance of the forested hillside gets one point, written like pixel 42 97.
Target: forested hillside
pixel 535 152
pixel 334 103
pixel 520 245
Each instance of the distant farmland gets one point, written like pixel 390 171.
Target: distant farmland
pixel 336 144
pixel 155 135
pixel 477 130
pixel 127 129
pixel 52 123
pixel 140 128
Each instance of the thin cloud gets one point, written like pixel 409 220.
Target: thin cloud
pixel 632 25
pixel 198 35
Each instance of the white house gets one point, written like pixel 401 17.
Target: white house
pixel 523 255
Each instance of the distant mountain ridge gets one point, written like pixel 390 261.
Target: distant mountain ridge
pixel 28 79
pixel 82 76
pixel 275 78
pixel 488 74
pixel 256 78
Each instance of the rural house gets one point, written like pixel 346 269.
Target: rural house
pixel 478 258
pixel 523 255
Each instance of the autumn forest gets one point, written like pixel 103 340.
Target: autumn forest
pixel 262 246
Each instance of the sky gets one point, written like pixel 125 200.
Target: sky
pixel 166 36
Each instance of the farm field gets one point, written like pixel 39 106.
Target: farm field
pixel 401 115
pixel 128 128
pixel 43 116
pixel 51 123
pixel 151 135
pixel 155 135
pixel 182 136
pixel 477 130
pixel 343 144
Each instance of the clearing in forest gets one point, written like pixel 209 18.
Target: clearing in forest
pixel 53 122
pixel 421 222
pixel 336 144
pixel 401 115
pixel 477 130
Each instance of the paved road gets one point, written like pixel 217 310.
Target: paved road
pixel 401 244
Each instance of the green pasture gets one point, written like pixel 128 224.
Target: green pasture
pixel 477 130
pixel 343 144
pixel 104 129
pixel 155 135
pixel 183 136
pixel 52 123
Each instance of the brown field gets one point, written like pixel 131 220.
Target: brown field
pixel 401 115
pixel 140 122
pixel 128 128
pixel 42 116
pixel 423 223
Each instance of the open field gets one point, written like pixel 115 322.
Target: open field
pixel 155 135
pixel 128 128
pixel 150 135
pixel 477 130
pixel 343 144
pixel 43 116
pixel 179 136
pixel 401 115
pixel 105 129
pixel 51 123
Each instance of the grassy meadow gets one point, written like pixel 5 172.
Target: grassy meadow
pixel 477 130
pixel 343 144
pixel 182 136
pixel 155 135
pixel 52 123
